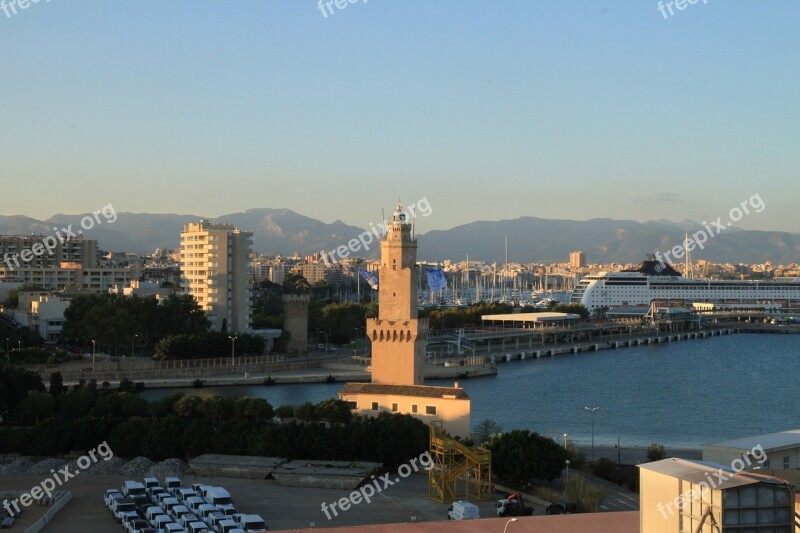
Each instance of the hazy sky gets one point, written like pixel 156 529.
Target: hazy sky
pixel 490 110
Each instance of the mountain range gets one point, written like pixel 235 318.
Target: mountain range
pixel 530 239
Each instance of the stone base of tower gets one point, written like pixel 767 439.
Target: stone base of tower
pixel 451 405
pixel 398 350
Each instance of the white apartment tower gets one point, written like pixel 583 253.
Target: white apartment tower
pixel 215 271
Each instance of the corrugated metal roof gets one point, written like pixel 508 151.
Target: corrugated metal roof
pixel 782 439
pixel 717 476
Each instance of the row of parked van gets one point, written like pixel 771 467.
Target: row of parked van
pixel 151 507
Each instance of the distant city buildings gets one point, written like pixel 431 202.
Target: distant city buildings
pixel 57 264
pixel 215 271
pixel 577 259
pixel 31 251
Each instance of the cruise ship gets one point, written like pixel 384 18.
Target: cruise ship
pixel 654 281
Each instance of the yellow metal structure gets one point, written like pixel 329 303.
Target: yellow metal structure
pixel 459 472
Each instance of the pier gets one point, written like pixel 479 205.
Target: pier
pixel 455 355
pixel 521 355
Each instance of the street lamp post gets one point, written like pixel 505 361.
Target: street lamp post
pixel 509 521
pixel 94 351
pixel 592 409
pixel 133 340
pixel 233 350
pixel 567 475
pixel 565 441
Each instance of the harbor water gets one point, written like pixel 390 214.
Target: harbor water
pixel 680 394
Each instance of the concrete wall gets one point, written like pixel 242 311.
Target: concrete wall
pixel 657 493
pixel 238 466
pixel 48 516
pixel 455 413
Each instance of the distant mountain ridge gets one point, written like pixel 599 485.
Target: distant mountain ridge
pixel 604 240
pixel 530 239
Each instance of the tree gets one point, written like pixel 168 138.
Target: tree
pixel 285 411
pixel 295 283
pixel 486 429
pixel 308 411
pixel 208 344
pixel 113 320
pixel 37 406
pixel 576 309
pixel 253 409
pixel 520 457
pixel 125 385
pixel 56 384
pixel 335 411
pixel 15 385
pixel 341 320
pixel 188 406
pixel 217 408
pixel 655 452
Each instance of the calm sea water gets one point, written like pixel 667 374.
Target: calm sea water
pixel 681 394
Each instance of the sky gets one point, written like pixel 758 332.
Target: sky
pixel 489 110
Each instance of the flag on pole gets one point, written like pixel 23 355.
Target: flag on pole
pixel 371 278
pixel 436 279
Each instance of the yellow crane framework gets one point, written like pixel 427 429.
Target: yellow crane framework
pixel 459 472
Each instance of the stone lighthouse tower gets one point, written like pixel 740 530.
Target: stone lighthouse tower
pixel 398 339
pixel 397 335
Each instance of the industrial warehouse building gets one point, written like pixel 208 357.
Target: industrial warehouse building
pixel 697 496
pixel 782 450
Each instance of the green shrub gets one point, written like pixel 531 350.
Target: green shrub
pixel 587 496
pixel 655 452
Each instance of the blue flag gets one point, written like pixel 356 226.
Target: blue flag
pixel 436 279
pixel 371 278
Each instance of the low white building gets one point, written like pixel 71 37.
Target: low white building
pixel 40 311
pixel 143 289
pixel 47 316
pixel 782 449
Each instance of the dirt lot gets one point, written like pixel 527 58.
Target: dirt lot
pixel 281 507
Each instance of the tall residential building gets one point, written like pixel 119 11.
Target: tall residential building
pixel 577 259
pixel 215 271
pixel 398 338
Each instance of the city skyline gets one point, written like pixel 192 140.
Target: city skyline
pixel 566 111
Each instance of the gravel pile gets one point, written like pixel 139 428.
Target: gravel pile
pixel 43 468
pixel 111 467
pixel 169 467
pixel 136 468
pixel 15 468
